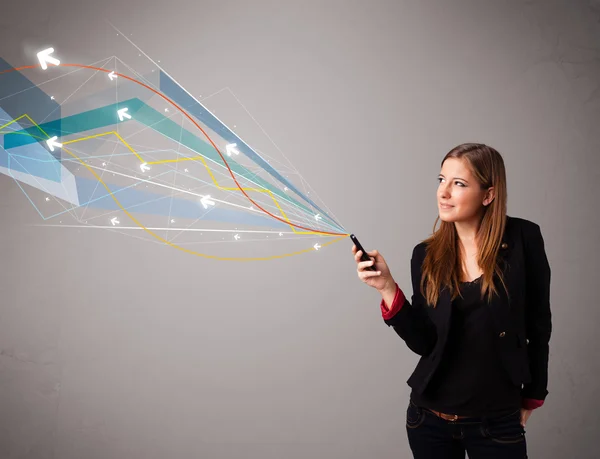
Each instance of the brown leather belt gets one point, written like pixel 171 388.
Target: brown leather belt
pixel 447 417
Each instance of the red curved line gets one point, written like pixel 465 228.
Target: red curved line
pixel 194 122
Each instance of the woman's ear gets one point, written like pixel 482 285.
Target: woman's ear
pixel 489 196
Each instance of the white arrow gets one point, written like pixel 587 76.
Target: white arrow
pixel 285 188
pixel 47 198
pixel 112 75
pixel 206 201
pixel 123 113
pixel 51 97
pixel 53 143
pixel 281 234
pixel 45 58
pixel 236 237
pixel 231 149
pixel 318 217
pixel 185 170
pixel 144 167
pixel 103 164
pixel 114 221
pixel 317 246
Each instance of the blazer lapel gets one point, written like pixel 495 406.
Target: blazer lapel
pixel 500 305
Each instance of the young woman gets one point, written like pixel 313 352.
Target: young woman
pixel 479 316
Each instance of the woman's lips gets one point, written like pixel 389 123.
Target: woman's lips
pixel 445 206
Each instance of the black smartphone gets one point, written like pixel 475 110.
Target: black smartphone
pixel 364 256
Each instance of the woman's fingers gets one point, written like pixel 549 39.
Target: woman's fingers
pixel 364 264
pixel 367 274
pixel 358 254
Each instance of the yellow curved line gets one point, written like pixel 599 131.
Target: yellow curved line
pixel 183 249
pixel 192 252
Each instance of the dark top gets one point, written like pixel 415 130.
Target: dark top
pixel 470 379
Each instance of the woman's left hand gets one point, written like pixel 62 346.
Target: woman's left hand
pixel 525 416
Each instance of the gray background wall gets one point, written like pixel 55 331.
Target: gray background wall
pixel 111 347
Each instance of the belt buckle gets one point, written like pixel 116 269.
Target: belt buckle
pixel 450 417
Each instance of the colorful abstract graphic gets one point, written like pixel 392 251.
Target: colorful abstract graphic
pixel 105 147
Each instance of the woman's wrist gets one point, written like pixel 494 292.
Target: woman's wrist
pixel 389 287
pixel 388 293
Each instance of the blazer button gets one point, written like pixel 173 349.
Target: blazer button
pixel 502 334
pixel 504 245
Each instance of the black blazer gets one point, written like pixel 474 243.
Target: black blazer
pixel 522 320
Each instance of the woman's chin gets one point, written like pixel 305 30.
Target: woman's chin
pixel 446 218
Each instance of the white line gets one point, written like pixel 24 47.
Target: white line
pixel 189 192
pixel 167 229
pixel 247 209
pixel 172 188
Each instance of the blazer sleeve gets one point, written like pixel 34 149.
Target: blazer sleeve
pixel 411 322
pixel 538 318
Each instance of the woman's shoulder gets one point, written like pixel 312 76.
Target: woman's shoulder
pixel 520 222
pixel 419 250
pixel 526 228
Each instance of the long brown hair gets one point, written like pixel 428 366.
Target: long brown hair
pixel 442 266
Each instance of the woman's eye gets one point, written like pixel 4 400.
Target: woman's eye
pixel 458 183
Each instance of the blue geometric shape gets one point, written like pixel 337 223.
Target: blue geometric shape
pixel 19 96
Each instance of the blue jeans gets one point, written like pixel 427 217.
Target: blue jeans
pixel 496 437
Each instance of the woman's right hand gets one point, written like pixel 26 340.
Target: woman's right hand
pixel 380 279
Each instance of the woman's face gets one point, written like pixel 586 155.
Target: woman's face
pixel 459 189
